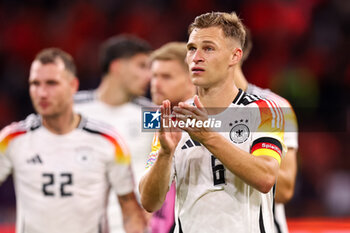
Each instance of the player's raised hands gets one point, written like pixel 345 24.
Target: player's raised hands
pixel 169 136
pixel 187 113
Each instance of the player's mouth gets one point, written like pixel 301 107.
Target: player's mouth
pixel 197 70
pixel 44 104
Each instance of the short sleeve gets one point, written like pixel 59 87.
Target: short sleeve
pixel 6 166
pixel 268 138
pixel 119 170
pixel 291 128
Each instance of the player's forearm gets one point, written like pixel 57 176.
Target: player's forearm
pixel 136 222
pixel 259 172
pixel 133 219
pixel 284 188
pixel 154 185
pixel 286 177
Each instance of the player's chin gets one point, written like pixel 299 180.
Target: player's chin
pixel 47 112
pixel 199 81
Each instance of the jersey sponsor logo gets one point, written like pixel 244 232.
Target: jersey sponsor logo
pixel 151 119
pixel 35 160
pixel 240 132
pixel 190 143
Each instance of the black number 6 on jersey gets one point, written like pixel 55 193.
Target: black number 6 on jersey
pixel 218 171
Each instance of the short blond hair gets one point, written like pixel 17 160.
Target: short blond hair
pixel 248 45
pixel 230 24
pixel 171 51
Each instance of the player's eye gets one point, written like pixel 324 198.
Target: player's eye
pixel 34 83
pixel 143 65
pixel 208 49
pixel 191 49
pixel 51 83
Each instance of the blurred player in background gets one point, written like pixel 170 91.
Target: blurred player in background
pixel 64 164
pixel 223 179
pixel 118 101
pixel 288 169
pixel 170 80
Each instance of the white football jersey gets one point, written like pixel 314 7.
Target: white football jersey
pixel 62 181
pixel 127 119
pixel 210 198
pixel 290 140
pixel 291 124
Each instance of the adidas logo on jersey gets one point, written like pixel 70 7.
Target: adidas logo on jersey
pixel 190 143
pixel 35 159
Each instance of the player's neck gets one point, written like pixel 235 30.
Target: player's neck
pixel 111 92
pixel 239 79
pixel 218 97
pixel 186 97
pixel 63 123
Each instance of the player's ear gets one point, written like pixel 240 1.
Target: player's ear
pixel 236 56
pixel 74 84
pixel 115 66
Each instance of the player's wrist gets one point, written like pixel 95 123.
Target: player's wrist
pixel 165 153
pixel 209 138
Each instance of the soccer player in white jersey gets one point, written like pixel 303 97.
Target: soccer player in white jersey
pixel 288 169
pixel 117 101
pixel 223 179
pixel 170 80
pixel 64 164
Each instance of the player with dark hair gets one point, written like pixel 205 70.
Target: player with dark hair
pixel 64 164
pixel 118 101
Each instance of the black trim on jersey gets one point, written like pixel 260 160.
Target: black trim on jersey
pixel 172 228
pixel 277 225
pixel 268 140
pixel 84 96
pixel 35 127
pixel 180 227
pixel 196 143
pixel 238 96
pixel 189 143
pixel 35 123
pixel 82 122
pixel 91 131
pixel 261 222
pixel 248 98
pixel 100 227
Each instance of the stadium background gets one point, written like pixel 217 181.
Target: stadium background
pixel 300 50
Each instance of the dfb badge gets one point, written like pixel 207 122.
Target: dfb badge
pixel 239 133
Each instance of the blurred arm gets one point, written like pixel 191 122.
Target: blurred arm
pixel 286 177
pixel 154 185
pixel 133 219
